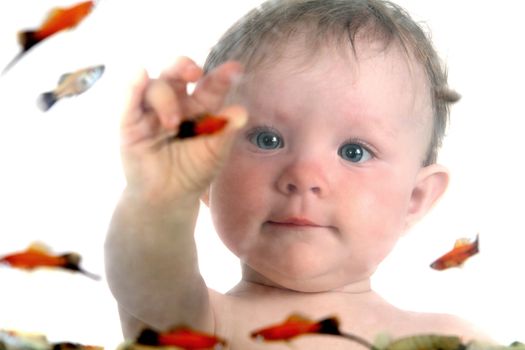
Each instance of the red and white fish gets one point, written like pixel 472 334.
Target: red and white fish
pixel 296 325
pixel 205 124
pixel 181 337
pixel 71 84
pixel 37 256
pixel 463 250
pixel 58 19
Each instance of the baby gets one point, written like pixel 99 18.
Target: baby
pixel 336 110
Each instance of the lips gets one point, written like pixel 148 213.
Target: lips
pixel 295 221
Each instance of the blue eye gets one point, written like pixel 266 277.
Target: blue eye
pixel 354 152
pixel 266 139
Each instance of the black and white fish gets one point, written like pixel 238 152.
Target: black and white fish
pixel 71 84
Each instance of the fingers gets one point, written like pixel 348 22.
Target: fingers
pixel 212 90
pixel 162 100
pixel 168 96
pixel 133 110
pixel 157 106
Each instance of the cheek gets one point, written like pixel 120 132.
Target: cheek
pixel 238 202
pixel 375 208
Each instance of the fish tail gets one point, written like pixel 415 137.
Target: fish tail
pixel 46 100
pixel 148 337
pixel 476 243
pixel 88 274
pixel 27 39
pixel 12 62
pixel 72 263
pixel 329 326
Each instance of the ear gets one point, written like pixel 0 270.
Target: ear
pixel 205 198
pixel 431 183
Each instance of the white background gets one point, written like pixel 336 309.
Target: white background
pixel 60 171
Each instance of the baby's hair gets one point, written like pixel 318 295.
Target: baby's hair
pixel 265 29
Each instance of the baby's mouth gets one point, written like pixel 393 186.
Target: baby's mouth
pixel 295 222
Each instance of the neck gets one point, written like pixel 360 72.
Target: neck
pixel 253 282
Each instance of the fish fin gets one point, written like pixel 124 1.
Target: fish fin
pixel 46 100
pixel 298 318
pixel 27 39
pixel 329 326
pixel 63 77
pixel 460 242
pixel 39 247
pixel 476 242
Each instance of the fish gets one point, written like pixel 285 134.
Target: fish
pixel 58 19
pixel 204 124
pixel 296 325
pixel 37 255
pixel 463 250
pixel 71 84
pixel 183 337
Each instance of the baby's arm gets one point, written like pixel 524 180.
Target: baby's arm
pixel 151 259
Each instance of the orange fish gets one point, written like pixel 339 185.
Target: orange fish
pixel 58 19
pixel 182 337
pixel 297 325
pixel 205 124
pixel 37 255
pixel 463 249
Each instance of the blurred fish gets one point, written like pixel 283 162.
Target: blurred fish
pixel 71 84
pixel 37 255
pixel 182 337
pixel 205 124
pixel 57 20
pixel 463 249
pixel 296 325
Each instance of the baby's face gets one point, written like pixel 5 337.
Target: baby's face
pixel 320 183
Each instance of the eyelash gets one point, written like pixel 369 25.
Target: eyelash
pixel 253 132
pixel 361 143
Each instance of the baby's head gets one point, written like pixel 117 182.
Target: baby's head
pixel 348 104
pixel 259 38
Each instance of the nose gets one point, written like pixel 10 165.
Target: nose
pixel 302 177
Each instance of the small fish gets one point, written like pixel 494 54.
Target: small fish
pixel 297 325
pixel 182 337
pixel 37 255
pixel 58 19
pixel 463 249
pixel 205 124
pixel 71 84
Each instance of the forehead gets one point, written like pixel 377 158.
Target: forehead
pixel 371 72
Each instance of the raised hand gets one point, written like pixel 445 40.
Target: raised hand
pixel 162 169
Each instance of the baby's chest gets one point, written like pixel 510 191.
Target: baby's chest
pixel 242 327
